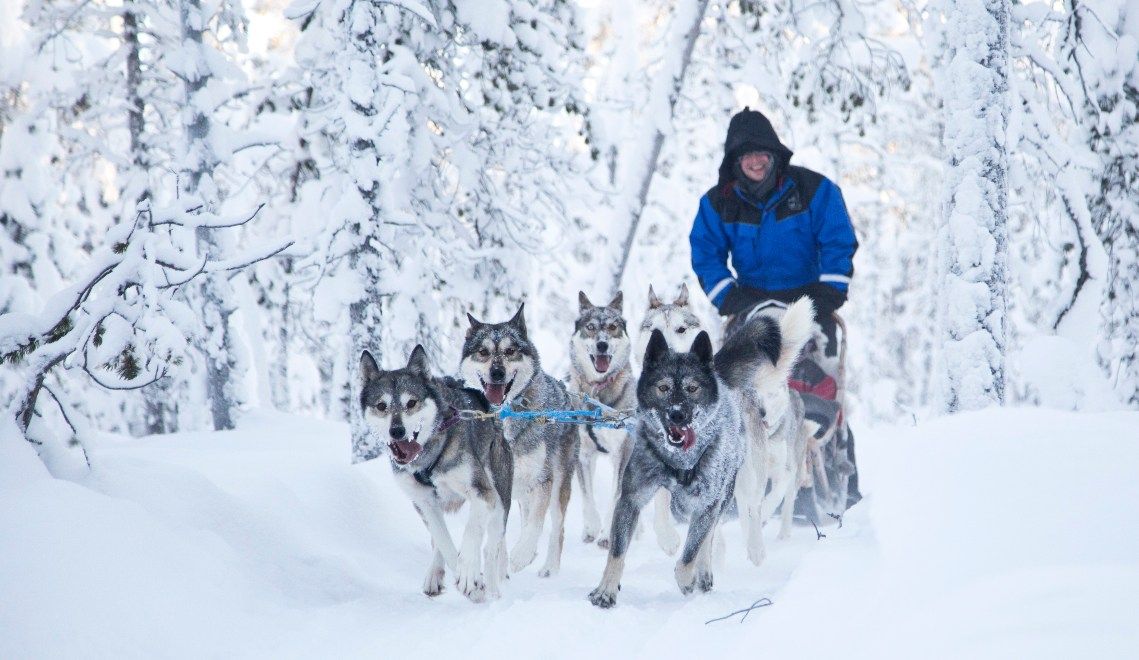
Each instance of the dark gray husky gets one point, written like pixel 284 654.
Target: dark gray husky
pixel 441 461
pixel 690 439
pixel 500 358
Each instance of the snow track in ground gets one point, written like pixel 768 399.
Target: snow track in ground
pixel 1009 532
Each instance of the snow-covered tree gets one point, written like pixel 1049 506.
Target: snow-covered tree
pixel 204 73
pixel 973 237
pixel 1099 51
pixel 367 77
pixel 119 322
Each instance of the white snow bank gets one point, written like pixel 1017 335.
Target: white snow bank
pixel 993 534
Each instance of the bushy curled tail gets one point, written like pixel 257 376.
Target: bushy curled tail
pixel 797 326
pixel 756 344
pixel 763 352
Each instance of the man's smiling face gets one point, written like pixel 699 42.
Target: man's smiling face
pixel 756 164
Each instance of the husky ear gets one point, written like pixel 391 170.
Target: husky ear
pixel 654 302
pixel 368 367
pixel 682 299
pixel 702 347
pixel 617 302
pixel 475 324
pixel 656 349
pixel 417 363
pixel 583 301
pixel 519 320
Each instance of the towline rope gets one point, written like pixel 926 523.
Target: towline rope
pixel 593 413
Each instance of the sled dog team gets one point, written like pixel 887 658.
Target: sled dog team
pixel 712 430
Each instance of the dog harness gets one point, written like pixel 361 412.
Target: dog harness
pixel 424 476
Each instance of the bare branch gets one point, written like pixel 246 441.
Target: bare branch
pixel 220 224
pixel 243 262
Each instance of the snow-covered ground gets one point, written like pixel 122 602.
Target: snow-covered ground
pixel 1004 533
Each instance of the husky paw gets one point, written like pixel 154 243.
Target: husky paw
pixel 603 598
pixel 757 555
pixel 784 534
pixel 433 583
pixel 704 581
pixel 603 543
pixel 520 558
pixel 685 577
pixel 756 550
pixel 591 530
pixel 668 540
pixel 547 572
pixel 472 586
pixel 469 580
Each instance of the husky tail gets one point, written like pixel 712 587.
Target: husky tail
pixel 763 352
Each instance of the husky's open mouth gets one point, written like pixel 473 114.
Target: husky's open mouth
pixel 405 451
pixel 681 436
pixel 601 362
pixel 496 392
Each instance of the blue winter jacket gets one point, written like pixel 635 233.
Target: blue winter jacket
pixel 800 234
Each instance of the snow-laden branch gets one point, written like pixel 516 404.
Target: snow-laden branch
pixel 117 316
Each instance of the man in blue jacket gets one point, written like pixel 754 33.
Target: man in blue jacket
pixel 785 228
pixel 788 235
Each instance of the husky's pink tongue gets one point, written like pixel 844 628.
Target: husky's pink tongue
pixel 601 363
pixel 689 438
pixel 404 451
pixel 495 392
pixel 684 435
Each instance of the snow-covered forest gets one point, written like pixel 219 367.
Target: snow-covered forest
pixel 210 208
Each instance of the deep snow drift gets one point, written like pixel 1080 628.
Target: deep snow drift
pixel 999 534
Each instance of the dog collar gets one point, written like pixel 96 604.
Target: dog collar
pixel 605 382
pixel 452 419
pixel 424 476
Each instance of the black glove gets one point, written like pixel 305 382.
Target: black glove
pixel 827 299
pixel 739 299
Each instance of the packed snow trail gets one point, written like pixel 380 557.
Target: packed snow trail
pixel 994 534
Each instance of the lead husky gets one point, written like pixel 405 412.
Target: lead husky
pixel 689 439
pixel 501 358
pixel 600 368
pixel 440 461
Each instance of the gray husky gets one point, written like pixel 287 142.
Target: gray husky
pixel 600 368
pixel 441 461
pixel 504 363
pixel 690 439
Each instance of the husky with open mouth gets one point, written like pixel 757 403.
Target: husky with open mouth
pixel 600 368
pixel 690 439
pixel 501 359
pixel 441 460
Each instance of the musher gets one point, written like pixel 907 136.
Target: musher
pixel 788 234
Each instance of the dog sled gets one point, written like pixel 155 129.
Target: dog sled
pixel 829 479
